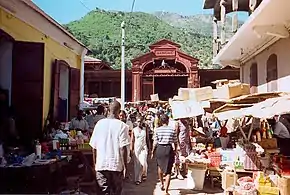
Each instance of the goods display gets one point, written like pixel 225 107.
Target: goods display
pixel 215 159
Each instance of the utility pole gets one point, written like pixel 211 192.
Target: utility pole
pixel 123 82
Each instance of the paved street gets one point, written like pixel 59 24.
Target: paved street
pixel 151 186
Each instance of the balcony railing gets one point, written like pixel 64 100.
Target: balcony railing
pixel 221 31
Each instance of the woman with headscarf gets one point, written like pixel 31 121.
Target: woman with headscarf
pixel 165 144
pixel 139 147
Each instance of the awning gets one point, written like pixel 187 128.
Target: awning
pixel 269 108
pixel 269 23
pixel 230 111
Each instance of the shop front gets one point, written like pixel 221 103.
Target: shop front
pixel 38 62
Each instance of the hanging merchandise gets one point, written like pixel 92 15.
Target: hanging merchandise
pixel 235 6
pixel 223 21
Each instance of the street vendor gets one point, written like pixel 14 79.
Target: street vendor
pixel 79 123
pixel 281 132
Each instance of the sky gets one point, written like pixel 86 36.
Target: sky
pixel 65 11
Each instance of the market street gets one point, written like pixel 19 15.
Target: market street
pixel 151 186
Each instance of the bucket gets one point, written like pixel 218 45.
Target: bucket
pixel 224 142
pixel 195 178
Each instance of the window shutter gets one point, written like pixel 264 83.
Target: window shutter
pixel 74 92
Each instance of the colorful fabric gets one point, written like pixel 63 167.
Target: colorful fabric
pixel 184 143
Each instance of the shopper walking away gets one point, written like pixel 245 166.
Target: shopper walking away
pixel 183 135
pixel 165 144
pixel 110 142
pixel 139 140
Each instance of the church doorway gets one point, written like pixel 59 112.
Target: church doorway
pixel 167 87
pixel 164 78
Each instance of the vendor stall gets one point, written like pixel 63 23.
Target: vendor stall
pixel 37 176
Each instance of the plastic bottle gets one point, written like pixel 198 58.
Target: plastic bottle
pixel 258 134
pixel 38 149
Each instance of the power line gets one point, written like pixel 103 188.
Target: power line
pixel 132 10
pixel 133 5
pixel 84 5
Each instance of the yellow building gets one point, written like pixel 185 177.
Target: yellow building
pixel 41 66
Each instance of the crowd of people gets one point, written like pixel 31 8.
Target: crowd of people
pixel 137 134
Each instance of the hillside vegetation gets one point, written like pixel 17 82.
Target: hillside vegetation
pixel 100 30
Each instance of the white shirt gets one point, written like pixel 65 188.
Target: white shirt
pixel 79 124
pixel 109 136
pixel 281 131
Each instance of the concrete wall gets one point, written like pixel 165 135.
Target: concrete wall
pixel 282 50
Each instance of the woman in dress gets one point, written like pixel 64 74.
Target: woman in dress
pixel 183 135
pixel 139 147
pixel 165 144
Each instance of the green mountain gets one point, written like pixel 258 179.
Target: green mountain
pixel 201 23
pixel 100 30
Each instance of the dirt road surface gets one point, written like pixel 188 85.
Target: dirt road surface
pixel 151 186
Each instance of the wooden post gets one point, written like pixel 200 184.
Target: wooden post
pixel 223 21
pixel 235 6
pixel 215 37
pixel 252 6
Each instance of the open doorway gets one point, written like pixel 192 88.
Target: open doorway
pixel 63 92
pixel 167 87
pixel 6 49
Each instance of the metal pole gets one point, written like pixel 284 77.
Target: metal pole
pixel 123 67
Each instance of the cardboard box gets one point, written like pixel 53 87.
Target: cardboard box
pixel 232 90
pixel 154 97
pixel 284 185
pixel 195 94
pixel 269 143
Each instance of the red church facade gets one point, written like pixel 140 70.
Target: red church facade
pixel 165 64
pixel 162 70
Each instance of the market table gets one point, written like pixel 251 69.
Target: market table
pixel 81 163
pixel 37 179
pixel 216 172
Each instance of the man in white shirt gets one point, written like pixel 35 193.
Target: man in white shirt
pixel 110 141
pixel 79 123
